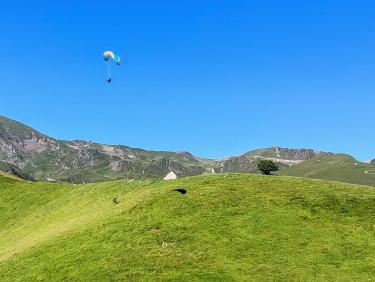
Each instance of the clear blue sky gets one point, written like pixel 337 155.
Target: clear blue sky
pixel 216 78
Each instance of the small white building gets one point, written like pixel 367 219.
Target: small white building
pixel 170 176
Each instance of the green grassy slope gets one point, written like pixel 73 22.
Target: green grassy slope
pixel 342 168
pixel 227 227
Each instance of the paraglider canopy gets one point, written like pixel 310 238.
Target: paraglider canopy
pixel 110 54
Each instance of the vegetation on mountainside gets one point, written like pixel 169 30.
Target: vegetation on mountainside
pixel 226 227
pixel 15 170
pixel 342 168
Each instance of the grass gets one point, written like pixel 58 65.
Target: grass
pixel 337 168
pixel 228 227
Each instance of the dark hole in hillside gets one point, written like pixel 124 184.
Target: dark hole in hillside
pixel 116 201
pixel 181 190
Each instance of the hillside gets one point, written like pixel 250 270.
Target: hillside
pixel 227 227
pixel 46 158
pixel 342 168
pixel 14 170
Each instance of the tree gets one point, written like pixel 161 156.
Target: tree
pixel 267 166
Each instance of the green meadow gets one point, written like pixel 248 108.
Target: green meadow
pixel 227 227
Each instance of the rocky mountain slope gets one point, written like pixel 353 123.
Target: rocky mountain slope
pixel 283 157
pixel 15 170
pixel 46 158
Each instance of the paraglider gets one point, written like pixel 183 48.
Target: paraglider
pixel 116 58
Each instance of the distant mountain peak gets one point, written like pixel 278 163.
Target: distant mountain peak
pixel 286 153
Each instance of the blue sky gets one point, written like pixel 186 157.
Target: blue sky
pixel 215 78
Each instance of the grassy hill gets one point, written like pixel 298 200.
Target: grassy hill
pixel 228 227
pixel 342 168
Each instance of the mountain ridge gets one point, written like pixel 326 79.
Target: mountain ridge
pixel 84 161
pixel 34 155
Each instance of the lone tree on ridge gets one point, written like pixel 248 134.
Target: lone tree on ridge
pixel 267 166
